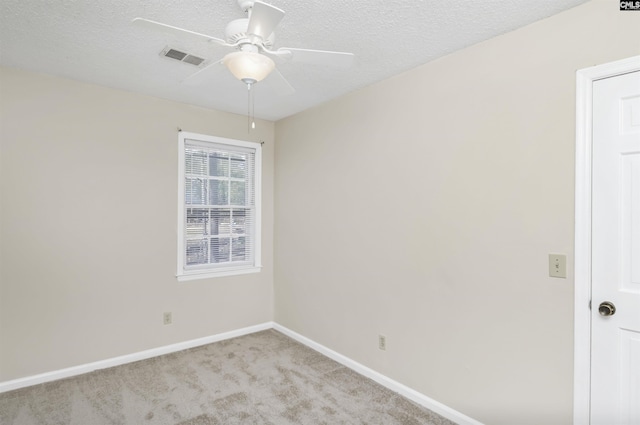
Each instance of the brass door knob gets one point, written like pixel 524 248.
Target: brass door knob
pixel 606 308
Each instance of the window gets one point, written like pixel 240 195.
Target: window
pixel 219 207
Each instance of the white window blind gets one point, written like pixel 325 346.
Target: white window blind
pixel 220 206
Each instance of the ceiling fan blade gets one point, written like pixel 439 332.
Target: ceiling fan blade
pixel 146 23
pixel 317 57
pixel 198 76
pixel 278 83
pixel 264 19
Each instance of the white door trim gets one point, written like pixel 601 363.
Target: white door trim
pixel 582 288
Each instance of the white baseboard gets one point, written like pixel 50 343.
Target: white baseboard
pixel 129 358
pixel 383 380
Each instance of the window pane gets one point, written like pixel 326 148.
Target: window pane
pixel 197 252
pixel 194 192
pixel 218 192
pixel 238 196
pixel 220 250
pixel 196 162
pixel 238 249
pixel 197 222
pixel 239 222
pixel 220 222
pixel 239 166
pixel 219 164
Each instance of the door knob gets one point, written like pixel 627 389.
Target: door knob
pixel 607 308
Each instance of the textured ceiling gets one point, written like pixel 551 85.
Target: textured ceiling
pixel 94 41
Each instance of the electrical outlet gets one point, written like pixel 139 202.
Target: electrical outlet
pixel 382 342
pixel 167 318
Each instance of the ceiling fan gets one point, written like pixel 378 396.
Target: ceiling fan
pixel 253 39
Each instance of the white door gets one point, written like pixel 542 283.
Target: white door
pixel 615 335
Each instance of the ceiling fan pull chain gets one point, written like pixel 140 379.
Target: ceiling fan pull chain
pixel 248 107
pixel 253 109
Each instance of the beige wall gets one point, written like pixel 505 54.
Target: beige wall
pixel 88 185
pixel 424 207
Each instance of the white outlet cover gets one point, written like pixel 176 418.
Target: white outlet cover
pixel 382 342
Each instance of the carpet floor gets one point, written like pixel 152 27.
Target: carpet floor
pixel 262 378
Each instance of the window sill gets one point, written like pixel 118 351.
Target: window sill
pixel 206 274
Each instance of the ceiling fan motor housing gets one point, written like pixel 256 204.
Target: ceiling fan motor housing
pixel 236 32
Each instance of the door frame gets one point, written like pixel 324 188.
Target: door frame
pixel 582 248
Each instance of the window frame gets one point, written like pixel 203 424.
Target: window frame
pixel 208 271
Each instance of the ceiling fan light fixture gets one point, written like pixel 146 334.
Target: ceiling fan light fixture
pixel 248 67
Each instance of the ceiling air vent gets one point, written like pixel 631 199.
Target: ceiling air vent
pixel 181 56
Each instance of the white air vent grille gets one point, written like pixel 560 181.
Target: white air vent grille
pixel 193 60
pixel 181 56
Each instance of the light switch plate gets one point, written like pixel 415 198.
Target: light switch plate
pixel 558 265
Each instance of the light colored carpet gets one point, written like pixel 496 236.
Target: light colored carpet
pixel 262 378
